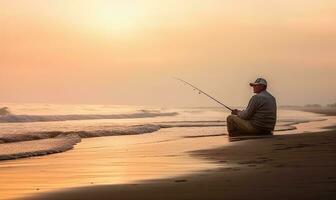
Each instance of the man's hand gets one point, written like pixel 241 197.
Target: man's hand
pixel 235 111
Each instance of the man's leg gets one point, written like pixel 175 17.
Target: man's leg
pixel 237 126
pixel 231 125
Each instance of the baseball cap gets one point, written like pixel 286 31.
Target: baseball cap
pixel 259 81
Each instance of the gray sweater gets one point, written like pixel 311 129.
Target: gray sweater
pixel 261 111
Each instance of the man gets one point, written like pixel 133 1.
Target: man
pixel 259 117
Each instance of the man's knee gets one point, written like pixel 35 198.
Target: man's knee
pixel 231 123
pixel 232 118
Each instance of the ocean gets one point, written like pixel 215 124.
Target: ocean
pixel 41 124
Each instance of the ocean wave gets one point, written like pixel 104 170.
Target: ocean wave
pixel 112 131
pixel 107 131
pixel 10 118
pixel 13 146
pixel 122 130
pixel 38 147
pixel 47 142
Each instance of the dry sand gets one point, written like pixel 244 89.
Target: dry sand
pixel 301 166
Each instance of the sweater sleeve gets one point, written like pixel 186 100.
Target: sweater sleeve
pixel 250 109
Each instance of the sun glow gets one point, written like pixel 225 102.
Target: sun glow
pixel 117 19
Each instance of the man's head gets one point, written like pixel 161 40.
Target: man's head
pixel 259 85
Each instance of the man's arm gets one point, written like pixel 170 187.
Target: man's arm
pixel 250 109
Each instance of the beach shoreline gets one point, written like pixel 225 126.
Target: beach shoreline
pixel 297 166
pixel 328 111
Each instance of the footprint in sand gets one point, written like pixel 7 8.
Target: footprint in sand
pixel 279 144
pixel 180 181
pixel 295 146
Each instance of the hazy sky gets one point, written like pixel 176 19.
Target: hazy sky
pixel 125 52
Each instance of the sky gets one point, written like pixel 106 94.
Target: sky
pixel 126 52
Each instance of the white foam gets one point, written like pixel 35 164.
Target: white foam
pixel 10 118
pixel 38 147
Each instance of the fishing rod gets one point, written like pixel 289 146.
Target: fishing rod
pixel 202 92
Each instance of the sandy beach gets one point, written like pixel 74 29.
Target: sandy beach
pixel 284 167
pixel 290 166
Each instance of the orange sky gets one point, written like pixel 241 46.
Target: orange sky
pixel 124 52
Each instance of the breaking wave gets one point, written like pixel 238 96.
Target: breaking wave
pixel 107 131
pixel 20 145
pixel 11 118
pixel 46 142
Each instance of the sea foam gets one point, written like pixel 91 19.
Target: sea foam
pixel 24 149
pixel 11 118
pixel 46 142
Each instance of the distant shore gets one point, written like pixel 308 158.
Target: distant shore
pixel 299 166
pixel 329 111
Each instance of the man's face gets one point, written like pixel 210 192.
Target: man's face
pixel 258 88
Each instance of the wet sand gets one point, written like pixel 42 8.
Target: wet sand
pixel 292 166
pixel 284 167
pixel 111 160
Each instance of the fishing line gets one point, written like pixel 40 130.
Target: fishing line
pixel 202 92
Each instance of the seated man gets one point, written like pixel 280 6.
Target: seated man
pixel 259 117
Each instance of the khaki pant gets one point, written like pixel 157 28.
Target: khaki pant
pixel 239 127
